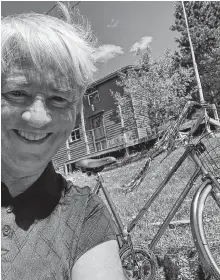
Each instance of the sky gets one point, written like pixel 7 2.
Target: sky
pixel 120 26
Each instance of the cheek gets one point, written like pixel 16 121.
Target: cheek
pixel 68 117
pixel 67 120
pixel 5 108
pixel 9 113
pixel 65 124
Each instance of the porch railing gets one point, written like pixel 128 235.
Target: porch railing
pixel 98 133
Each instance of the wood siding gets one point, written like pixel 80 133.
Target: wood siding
pixel 60 157
pixel 78 148
pixel 141 116
pixel 129 121
pixel 112 126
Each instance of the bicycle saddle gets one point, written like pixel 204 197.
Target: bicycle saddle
pixel 94 165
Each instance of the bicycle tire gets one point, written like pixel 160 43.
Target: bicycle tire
pixel 146 257
pixel 208 254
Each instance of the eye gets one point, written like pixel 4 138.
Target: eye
pixel 59 101
pixel 16 95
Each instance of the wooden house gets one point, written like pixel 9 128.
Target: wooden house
pixel 104 126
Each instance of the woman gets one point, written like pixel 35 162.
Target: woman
pixel 51 229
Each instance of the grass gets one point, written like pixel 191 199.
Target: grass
pixel 128 205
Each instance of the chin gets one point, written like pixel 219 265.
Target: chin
pixel 33 164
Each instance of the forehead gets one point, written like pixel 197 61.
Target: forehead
pixel 31 77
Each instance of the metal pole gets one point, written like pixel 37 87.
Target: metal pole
pixel 193 57
pixel 201 96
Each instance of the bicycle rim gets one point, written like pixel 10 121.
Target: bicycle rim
pixel 205 215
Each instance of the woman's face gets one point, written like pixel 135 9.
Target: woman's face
pixel 37 119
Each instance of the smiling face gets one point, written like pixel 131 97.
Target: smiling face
pixel 37 118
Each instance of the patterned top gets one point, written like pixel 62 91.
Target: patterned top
pixel 49 226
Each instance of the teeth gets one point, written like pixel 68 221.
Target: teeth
pixel 31 137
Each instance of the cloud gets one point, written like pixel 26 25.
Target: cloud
pixel 106 52
pixel 141 44
pixel 114 23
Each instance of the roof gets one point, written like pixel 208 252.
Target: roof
pixel 110 76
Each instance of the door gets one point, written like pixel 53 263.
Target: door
pixel 98 132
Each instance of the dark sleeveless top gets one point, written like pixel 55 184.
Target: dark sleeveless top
pixel 47 228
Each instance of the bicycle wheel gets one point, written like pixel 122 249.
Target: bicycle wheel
pixel 146 266
pixel 205 222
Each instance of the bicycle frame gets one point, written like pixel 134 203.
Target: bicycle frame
pixel 200 170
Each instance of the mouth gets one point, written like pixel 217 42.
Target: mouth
pixel 32 137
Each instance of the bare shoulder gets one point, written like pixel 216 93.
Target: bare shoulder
pixel 101 262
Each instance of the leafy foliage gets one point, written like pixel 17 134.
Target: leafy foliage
pixel 158 86
pixel 204 26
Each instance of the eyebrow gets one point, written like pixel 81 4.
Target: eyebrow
pixel 23 81
pixel 59 88
pixel 18 80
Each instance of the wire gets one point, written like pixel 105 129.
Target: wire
pixel 51 9
pixel 73 7
pixel 57 4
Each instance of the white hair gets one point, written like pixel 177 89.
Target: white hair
pixel 46 42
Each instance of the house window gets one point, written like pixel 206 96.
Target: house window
pixel 75 135
pixel 93 97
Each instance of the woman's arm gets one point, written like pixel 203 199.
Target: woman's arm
pixel 102 262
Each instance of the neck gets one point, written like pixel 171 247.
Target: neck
pixel 18 183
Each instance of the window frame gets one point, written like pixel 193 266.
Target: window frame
pixel 70 137
pixel 92 93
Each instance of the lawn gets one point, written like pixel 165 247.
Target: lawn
pixel 176 239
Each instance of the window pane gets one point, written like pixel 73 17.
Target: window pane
pixel 94 97
pixel 77 134
pixel 98 146
pixel 97 121
pixel 73 136
pixel 99 132
pixel 104 145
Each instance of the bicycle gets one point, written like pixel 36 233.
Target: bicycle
pixel 139 263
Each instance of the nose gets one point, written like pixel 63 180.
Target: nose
pixel 37 114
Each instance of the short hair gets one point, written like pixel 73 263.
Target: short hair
pixel 46 42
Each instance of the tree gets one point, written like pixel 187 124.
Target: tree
pixel 203 19
pixel 158 87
